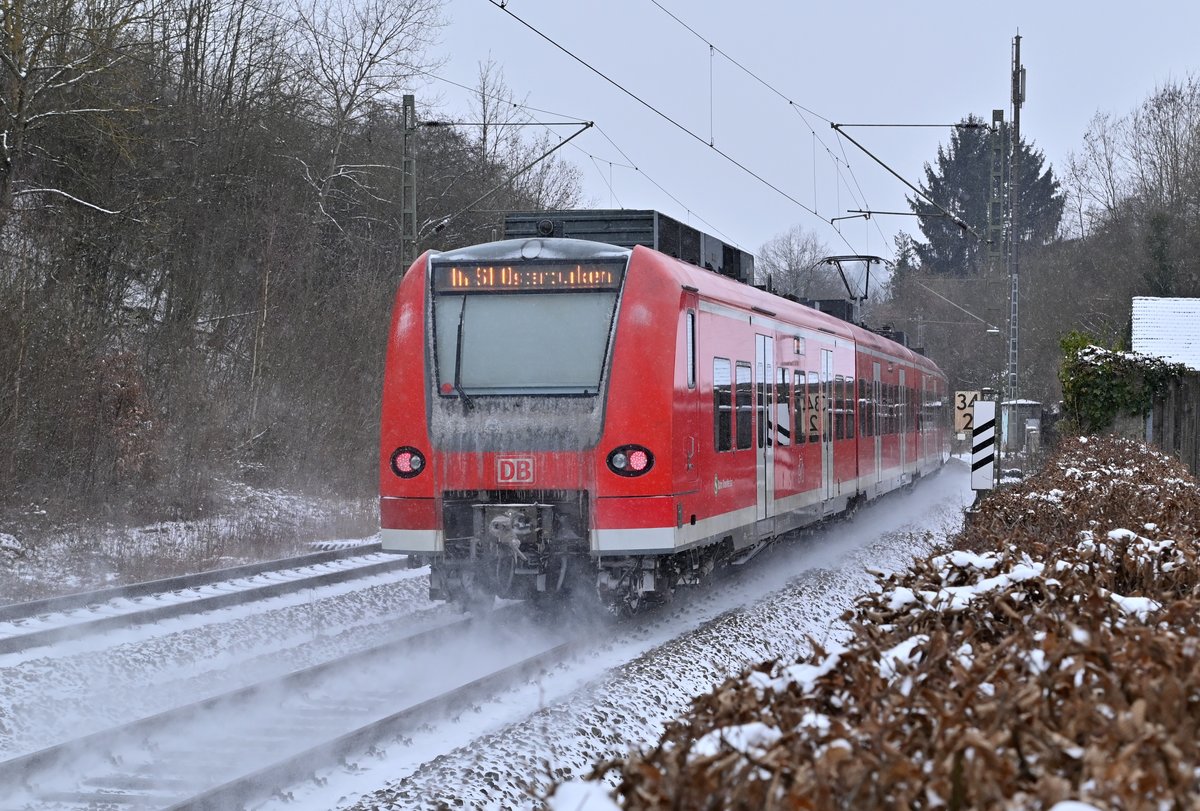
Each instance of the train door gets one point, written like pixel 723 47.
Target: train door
pixel 902 405
pixel 876 410
pixel 827 423
pixel 764 374
pixel 691 435
pixel 925 398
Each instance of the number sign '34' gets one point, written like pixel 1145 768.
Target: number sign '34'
pixel 963 413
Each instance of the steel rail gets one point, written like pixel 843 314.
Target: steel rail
pixel 82 599
pixel 185 606
pixel 263 782
pixel 21 769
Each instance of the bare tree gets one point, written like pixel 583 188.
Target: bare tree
pixel 505 141
pixel 791 261
pixel 357 56
pixel 1097 176
pixel 48 52
pixel 499 114
pixel 1148 159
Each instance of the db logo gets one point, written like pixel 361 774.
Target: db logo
pixel 514 470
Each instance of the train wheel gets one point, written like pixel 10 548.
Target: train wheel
pixel 477 596
pixel 502 573
pixel 853 507
pixel 478 602
pixel 627 605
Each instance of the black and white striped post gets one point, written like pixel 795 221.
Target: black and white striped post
pixel 983 446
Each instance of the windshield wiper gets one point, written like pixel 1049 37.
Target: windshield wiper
pixel 468 403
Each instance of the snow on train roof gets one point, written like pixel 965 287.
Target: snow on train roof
pixel 731 290
pixel 549 248
pixel 751 297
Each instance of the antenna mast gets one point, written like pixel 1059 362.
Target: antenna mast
pixel 1014 213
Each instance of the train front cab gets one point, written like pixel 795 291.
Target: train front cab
pixel 492 413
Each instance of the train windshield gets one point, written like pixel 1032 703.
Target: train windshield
pixel 523 327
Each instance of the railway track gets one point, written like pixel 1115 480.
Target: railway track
pixel 44 622
pixel 226 750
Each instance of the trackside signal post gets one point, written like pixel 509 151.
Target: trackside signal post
pixel 983 445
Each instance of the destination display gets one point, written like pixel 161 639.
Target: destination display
pixel 470 278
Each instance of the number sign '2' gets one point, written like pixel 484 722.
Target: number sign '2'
pixel 964 417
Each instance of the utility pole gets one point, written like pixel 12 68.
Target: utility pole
pixel 408 183
pixel 1014 213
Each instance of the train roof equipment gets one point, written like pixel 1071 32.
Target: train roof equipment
pixel 629 227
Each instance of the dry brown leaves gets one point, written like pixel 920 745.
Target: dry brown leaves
pixel 1052 657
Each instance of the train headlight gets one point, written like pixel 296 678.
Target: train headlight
pixel 407 462
pixel 630 460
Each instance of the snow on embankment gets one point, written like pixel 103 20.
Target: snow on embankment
pixel 1053 657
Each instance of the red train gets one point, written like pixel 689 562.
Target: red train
pixel 561 414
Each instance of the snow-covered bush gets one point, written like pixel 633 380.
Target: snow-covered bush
pixel 1052 655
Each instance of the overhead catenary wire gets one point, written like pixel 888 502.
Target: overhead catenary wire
pixel 440 224
pixel 953 217
pixel 429 74
pixel 572 119
pixel 631 164
pixel 690 133
pixel 736 63
pixel 798 108
pixel 678 202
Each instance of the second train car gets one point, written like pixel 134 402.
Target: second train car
pixel 564 415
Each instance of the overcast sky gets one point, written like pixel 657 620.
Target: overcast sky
pixel 864 62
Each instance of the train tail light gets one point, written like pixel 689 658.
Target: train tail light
pixel 407 462
pixel 630 460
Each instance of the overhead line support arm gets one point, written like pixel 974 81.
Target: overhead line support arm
pixel 953 217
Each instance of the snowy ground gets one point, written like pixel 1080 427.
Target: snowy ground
pixel 1049 661
pixel 500 753
pixel 50 694
pixel 505 753
pixel 41 557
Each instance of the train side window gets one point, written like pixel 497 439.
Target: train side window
pixel 745 407
pixel 861 406
pixel 722 404
pixel 783 410
pixel 798 385
pixel 813 407
pixel 691 349
pixel 881 420
pixel 891 398
pixel 864 408
pixel 873 429
pixel 839 407
pixel 761 394
pixel 850 408
pixel 826 407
